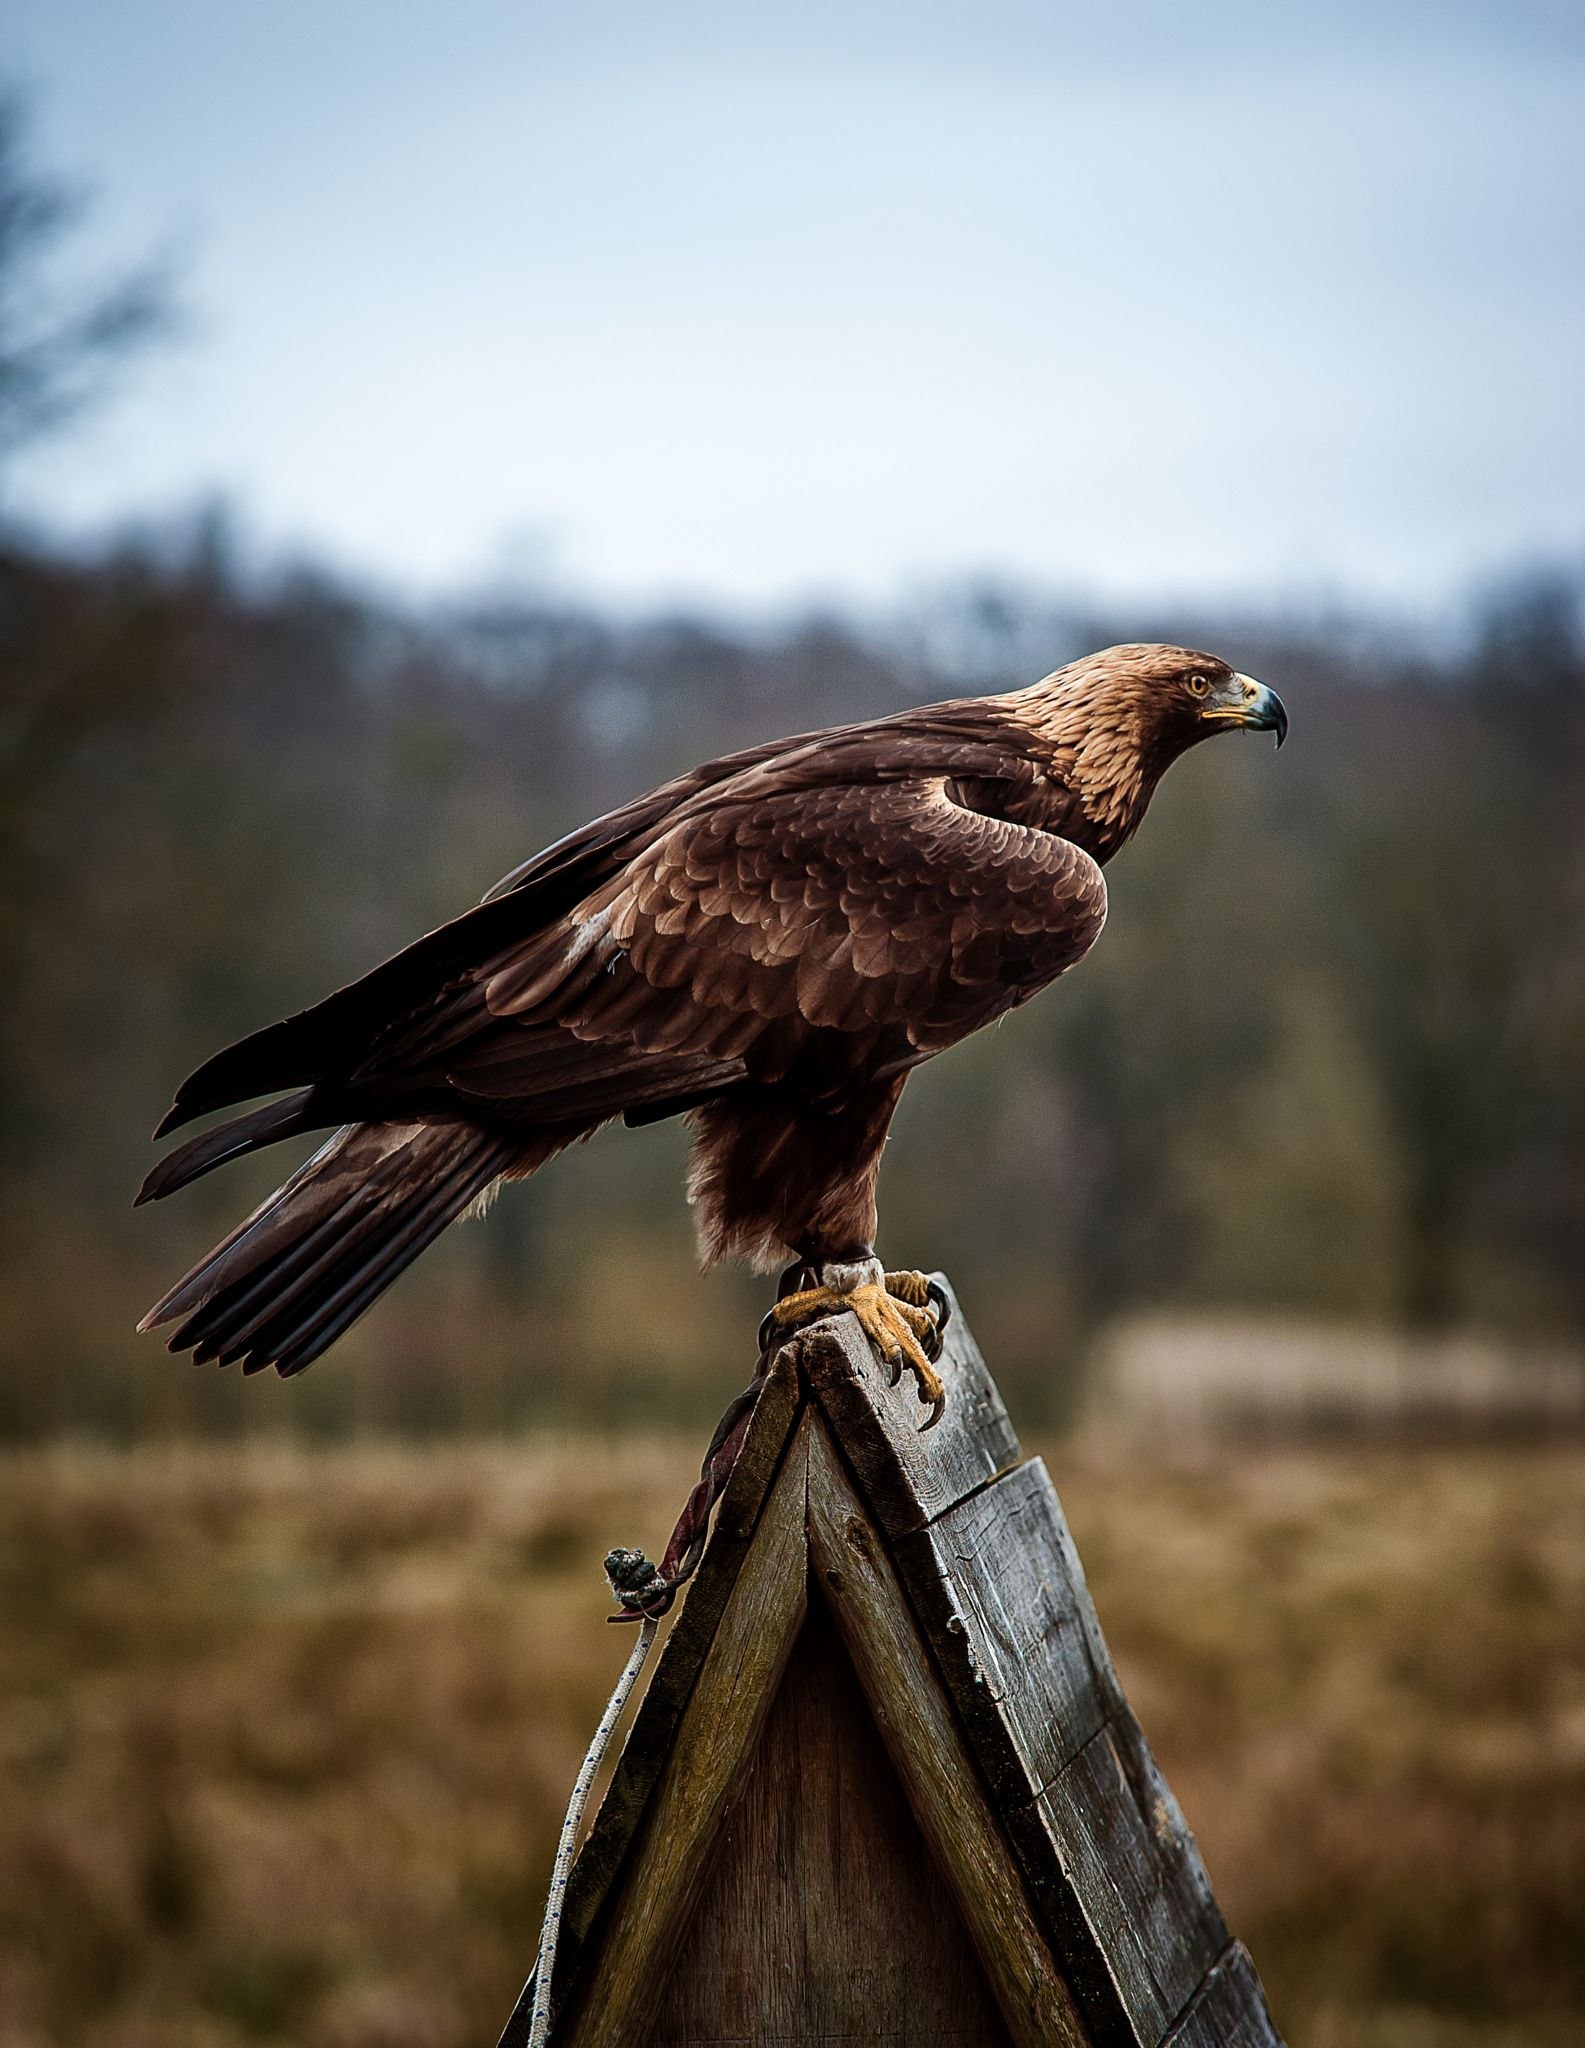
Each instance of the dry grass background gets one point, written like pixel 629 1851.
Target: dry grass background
pixel 284 1734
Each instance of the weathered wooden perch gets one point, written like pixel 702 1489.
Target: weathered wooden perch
pixel 883 1784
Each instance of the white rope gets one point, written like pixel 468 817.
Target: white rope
pixel 545 1967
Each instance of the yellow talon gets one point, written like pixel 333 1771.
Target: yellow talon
pixel 896 1328
pixel 913 1288
pixel 807 1306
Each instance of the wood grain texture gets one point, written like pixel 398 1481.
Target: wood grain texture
pixel 668 1860
pixel 824 1919
pixel 851 1570
pixel 999 1594
pixel 1229 2009
pixel 999 1585
pixel 670 1683
pixel 1115 1828
pixel 909 1475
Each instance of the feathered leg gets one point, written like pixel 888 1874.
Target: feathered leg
pixel 771 1173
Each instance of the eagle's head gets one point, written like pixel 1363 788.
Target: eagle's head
pixel 1117 720
pixel 1173 697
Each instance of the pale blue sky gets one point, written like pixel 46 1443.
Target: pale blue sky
pixel 752 302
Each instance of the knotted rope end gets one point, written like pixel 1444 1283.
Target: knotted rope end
pixel 639 1588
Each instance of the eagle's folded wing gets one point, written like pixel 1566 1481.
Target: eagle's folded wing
pixel 762 928
pixel 825 906
pixel 401 1011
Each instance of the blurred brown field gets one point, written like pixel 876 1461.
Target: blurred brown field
pixel 285 1732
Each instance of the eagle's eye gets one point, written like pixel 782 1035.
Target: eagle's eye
pixel 1199 684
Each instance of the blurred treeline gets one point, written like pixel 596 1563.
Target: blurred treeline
pixel 1329 1055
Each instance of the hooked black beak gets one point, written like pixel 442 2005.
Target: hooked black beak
pixel 1253 705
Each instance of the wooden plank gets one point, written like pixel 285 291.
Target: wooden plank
pixel 670 1682
pixel 1114 1876
pixel 909 1475
pixel 665 1866
pixel 997 1584
pixel 1229 2009
pixel 926 1745
pixel 1114 1828
pixel 825 1919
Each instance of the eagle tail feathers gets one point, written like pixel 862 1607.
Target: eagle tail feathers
pixel 300 1271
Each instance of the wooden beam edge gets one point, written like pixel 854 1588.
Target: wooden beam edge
pixel 851 1570
pixel 671 1682
pixel 1229 2008
pixel 1119 2013
pixel 657 1885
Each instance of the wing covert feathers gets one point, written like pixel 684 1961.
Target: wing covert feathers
pixel 886 913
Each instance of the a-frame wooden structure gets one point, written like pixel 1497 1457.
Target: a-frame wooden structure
pixel 883 1784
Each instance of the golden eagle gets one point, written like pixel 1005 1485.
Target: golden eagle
pixel 768 946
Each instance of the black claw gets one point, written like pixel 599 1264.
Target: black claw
pixel 941 1304
pixel 938 1408
pixel 932 1343
pixel 767 1329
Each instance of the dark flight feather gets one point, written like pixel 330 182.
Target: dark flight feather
pixel 239 1135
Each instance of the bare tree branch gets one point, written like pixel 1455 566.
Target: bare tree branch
pixel 61 341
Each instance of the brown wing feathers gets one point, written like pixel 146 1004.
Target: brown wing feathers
pixel 336 1034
